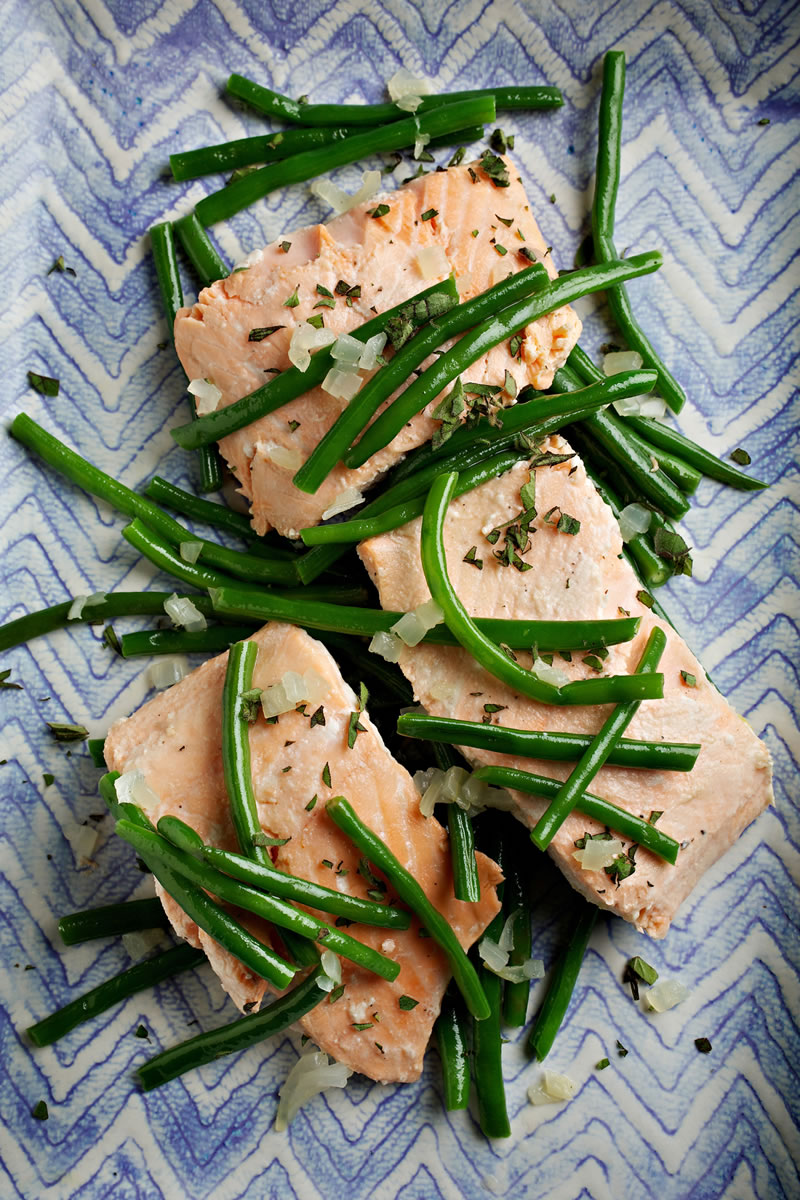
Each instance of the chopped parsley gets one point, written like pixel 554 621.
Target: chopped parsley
pixel 111 640
pixel 495 168
pixel 336 994
pixel 264 331
pixel 602 1064
pixel 515 345
pixel 5 682
pixel 741 457
pixel 429 214
pixel 48 779
pixel 60 267
pixel 250 704
pixel 311 802
pixel 621 1051
pixel 380 211
pixel 449 411
pixel 263 839
pixel 670 546
pixel 688 679
pixel 402 325
pixel 316 320
pixel 563 523
pixel 655 815
pixel 500 141
pixel 292 301
pixel 141 1032
pixel 359 1026
pixel 354 726
pixel 702 1043
pixel 67 733
pixel 471 558
pixel 317 717
pixel 407 1003
pixel 326 775
pixel 43 384
pixel 285 247
pixel 458 157
pixel 501 250
pixel 645 598
pixel 39 1111
pixel 622 867
pixel 636 971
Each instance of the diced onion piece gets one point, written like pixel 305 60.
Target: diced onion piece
pixel 634 520
pixel 132 788
pixel 82 839
pixel 454 780
pixel 407 87
pixel 506 939
pixel 181 611
pixel 548 673
pixel 166 671
pixel 284 456
pixel 442 689
pixel 293 689
pixel 429 613
pixel 628 406
pixel 471 794
pixel 432 261
pixel 598 853
pixel 333 971
pixel 190 551
pixel 341 201
pixel 386 645
pixel 304 339
pixel 412 626
pixel 139 943
pixel 424 779
pixel 347 499
pixel 347 350
pixel 313 1073
pixel 399 172
pixel 342 385
pixel 652 406
pixel 665 995
pixel 621 360
pixel 82 602
pixel 370 351
pixel 421 140
pixel 498 798
pixel 552 1088
pixel 532 968
pixel 493 955
pixel 207 396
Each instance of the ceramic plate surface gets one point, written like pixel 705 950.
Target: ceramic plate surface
pixel 94 97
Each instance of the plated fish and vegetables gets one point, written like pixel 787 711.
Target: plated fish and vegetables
pixel 434 645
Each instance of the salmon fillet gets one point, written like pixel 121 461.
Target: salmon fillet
pixel 175 740
pixel 574 577
pixel 381 256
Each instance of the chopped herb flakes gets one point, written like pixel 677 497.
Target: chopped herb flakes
pixel 655 815
pixel 111 640
pixel 316 321
pixel 602 1064
pixel 359 1026
pixel 141 1032
pixel 326 775
pixel 741 457
pixel 470 557
pixel 292 301
pixel 458 157
pixel 354 726
pixel 380 211
pixel 563 523
pixel 60 268
pixel 622 867
pixel 43 384
pixel 429 214
pixel 407 1003
pixel 703 1045
pixel 645 598
pixel 621 1051
pixel 501 142
pixel 39 1111
pixel 449 411
pixel 263 839
pixel 495 168
pixel 311 802
pixel 670 546
pixel 688 679
pixel 67 733
pixel 285 246
pixel 527 254
pixel 515 345
pixel 48 779
pixel 411 316
pixel 249 708
pixel 317 717
pixel 5 682
pixel 638 970
pixel 501 250
pixel 265 331
pixel 337 993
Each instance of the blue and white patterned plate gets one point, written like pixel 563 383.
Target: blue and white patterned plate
pixel 94 97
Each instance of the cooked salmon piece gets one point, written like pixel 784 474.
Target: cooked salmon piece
pixel 175 740
pixel 582 576
pixel 381 256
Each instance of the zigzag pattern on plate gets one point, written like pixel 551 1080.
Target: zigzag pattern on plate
pixel 93 98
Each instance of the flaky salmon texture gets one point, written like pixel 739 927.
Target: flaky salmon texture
pixel 381 255
pixel 175 740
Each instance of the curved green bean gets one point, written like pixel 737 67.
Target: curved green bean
pixel 200 250
pixel 291 383
pixel 135 979
pixel 593 758
pixel 236 750
pixel 450 1032
pixel 488 334
pixel 410 892
pixel 553 747
pixel 236 1035
pixel 664 437
pixel 111 920
pixel 561 985
pixel 166 558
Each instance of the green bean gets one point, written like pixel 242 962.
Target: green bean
pixel 593 758
pixel 164 556
pixel 111 920
pixel 236 1035
pixel 489 333
pixel 300 950
pixel 274 104
pixel 487 1051
pixel 609 145
pixel 244 152
pixel 200 250
pixel 315 895
pixel 469 634
pixel 664 437
pixel 291 383
pixel 310 163
pixel 466 881
pixel 214 640
pixel 209 513
pixel 366 402
pixel 553 747
pixel 366 622
pixel 130 812
pixel 135 979
pixel 236 750
pixel 180 834
pixel 516 906
pixel 674 467
pixel 637 829
pixel 202 878
pixel 450 1031
pixel 412 894
pixel 360 529
pixel 561 985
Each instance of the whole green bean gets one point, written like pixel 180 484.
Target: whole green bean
pixel 135 979
pixel 310 163
pixel 488 334
pixel 291 383
pixel 236 750
pixel 561 985
pixel 244 152
pixel 111 920
pixel 593 758
pixel 450 1032
pixel 609 145
pixel 274 104
pixel 236 1035
pixel 632 827
pixel 412 894
pixel 366 402
pixel 214 640
pixel 466 881
pixel 469 634
pixel 664 437
pixel 315 895
pixel 685 476
pixel 164 856
pixel 200 250
pixel 487 1051
pixel 554 747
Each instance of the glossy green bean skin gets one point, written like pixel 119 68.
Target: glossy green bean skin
pixel 410 892
pixel 244 152
pixel 466 881
pixel 516 904
pixel 236 750
pixel 358 530
pixel 135 979
pixel 603 811
pixel 353 420
pixel 214 640
pixel 208 512
pixel 274 104
pixel 562 985
pixel 554 747
pixel 609 145
pixel 487 1051
pixel 200 876
pixel 674 467
pixel 290 384
pixel 450 1032
pixel 593 758
pixel 236 1035
pixel 167 559
pixel 664 437
pixel 310 163
pixel 468 633
pixel 484 337
pixel 200 250
pixel 112 920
